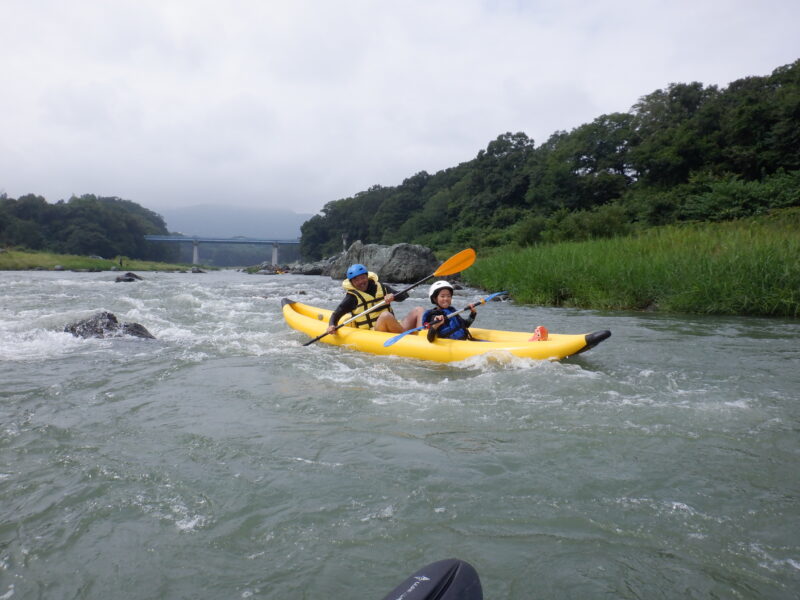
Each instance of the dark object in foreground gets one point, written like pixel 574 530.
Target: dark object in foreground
pixel 449 579
pixel 106 324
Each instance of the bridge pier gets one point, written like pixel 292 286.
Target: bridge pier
pixel 275 254
pixel 195 252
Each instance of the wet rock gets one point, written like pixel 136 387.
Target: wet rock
pixel 266 268
pixel 400 263
pixel 128 277
pixel 105 324
pixel 320 267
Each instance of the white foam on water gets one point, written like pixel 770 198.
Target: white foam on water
pixel 173 510
pixel 499 360
pixel 41 344
pixel 770 562
pixel 316 462
pixel 737 403
pixel 386 513
pixel 190 523
pixel 670 508
pixel 175 334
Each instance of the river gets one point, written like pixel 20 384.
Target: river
pixel 226 460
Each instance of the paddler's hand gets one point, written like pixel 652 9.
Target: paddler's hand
pixel 437 322
pixel 331 329
pixel 388 298
pixel 472 308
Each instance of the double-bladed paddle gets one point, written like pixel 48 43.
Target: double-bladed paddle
pixel 399 337
pixel 454 264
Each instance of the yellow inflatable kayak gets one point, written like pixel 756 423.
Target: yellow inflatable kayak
pixel 314 321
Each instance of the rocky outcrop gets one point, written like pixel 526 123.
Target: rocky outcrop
pixel 267 268
pixel 321 267
pixel 128 277
pixel 106 324
pixel 400 263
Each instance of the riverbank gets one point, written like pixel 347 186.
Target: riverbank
pixel 19 260
pixel 745 267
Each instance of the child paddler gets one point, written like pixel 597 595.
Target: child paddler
pixel 363 290
pixel 456 328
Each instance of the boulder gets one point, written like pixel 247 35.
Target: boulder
pixel 266 268
pixel 128 277
pixel 105 324
pixel 399 263
pixel 321 267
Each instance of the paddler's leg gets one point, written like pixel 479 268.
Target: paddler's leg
pixel 413 319
pixel 387 321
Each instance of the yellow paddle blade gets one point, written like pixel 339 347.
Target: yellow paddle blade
pixel 456 263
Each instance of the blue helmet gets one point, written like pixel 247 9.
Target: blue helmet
pixel 356 270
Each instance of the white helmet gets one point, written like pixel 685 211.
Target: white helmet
pixel 436 287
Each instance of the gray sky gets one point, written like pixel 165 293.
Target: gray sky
pixel 296 103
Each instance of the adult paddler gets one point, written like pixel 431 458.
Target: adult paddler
pixel 363 290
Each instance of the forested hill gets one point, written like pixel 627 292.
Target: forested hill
pixel 684 153
pixel 85 225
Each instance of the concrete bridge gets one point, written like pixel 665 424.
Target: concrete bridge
pixel 196 241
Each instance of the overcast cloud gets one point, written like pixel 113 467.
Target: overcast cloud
pixel 293 104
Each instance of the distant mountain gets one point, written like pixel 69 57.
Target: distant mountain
pixel 212 220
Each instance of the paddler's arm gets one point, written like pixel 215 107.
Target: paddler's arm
pixel 345 306
pixel 472 314
pixel 393 296
pixel 437 320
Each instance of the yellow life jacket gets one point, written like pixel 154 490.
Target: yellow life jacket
pixel 365 301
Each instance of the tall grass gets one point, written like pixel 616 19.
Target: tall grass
pixel 21 260
pixel 746 267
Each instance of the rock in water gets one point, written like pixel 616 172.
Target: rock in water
pixel 128 277
pixel 105 324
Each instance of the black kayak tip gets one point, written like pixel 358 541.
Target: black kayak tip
pixel 449 579
pixel 594 338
